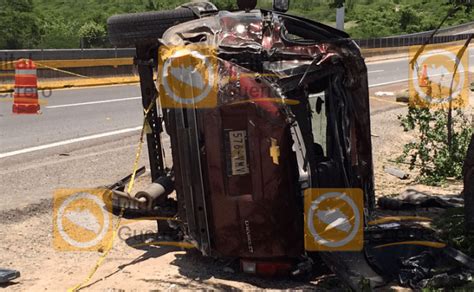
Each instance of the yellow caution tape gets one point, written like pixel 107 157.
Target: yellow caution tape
pixel 433 244
pixel 5 64
pixel 151 218
pixel 399 219
pixel 78 63
pixel 148 129
pixel 181 244
pixel 88 63
pixel 110 245
pixel 62 71
pixel 83 81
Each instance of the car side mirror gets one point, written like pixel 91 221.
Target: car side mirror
pixel 281 5
pixel 246 5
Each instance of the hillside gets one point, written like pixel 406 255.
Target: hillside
pixel 71 24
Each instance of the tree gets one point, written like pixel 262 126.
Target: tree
pixel 12 34
pixel 225 4
pixel 430 151
pixel 337 3
pixel 468 3
pixel 58 33
pixel 92 34
pixel 409 20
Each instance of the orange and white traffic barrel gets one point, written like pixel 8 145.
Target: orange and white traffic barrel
pixel 25 99
pixel 424 77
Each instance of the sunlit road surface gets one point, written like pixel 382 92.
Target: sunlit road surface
pixel 71 114
pixel 396 71
pixel 104 119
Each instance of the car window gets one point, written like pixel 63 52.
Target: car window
pixel 318 119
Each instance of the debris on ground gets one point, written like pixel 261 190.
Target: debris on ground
pixel 413 199
pixel 384 93
pixel 447 280
pixel 402 96
pixel 421 271
pixel 397 172
pixel 412 255
pixel 8 275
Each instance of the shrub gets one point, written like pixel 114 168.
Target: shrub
pixel 432 153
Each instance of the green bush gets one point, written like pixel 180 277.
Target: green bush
pixel 19 26
pixel 59 33
pixel 92 34
pixel 453 231
pixel 48 23
pixel 430 152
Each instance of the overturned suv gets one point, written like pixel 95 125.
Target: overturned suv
pixel 289 113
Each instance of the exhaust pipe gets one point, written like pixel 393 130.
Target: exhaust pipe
pixel 161 187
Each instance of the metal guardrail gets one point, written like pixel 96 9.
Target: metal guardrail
pixel 66 54
pixel 56 64
pixel 404 41
pixel 120 53
pixel 452 30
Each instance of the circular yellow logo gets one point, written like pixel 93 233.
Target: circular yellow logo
pixel 187 76
pixel 433 77
pixel 82 220
pixel 334 219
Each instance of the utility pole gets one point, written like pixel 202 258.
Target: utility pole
pixel 340 15
pixel 340 12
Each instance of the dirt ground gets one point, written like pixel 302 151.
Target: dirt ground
pixel 26 240
pixel 27 246
pixel 388 139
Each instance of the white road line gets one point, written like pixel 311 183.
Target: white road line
pixel 375 71
pixel 70 141
pixel 94 102
pixel 66 159
pixel 401 59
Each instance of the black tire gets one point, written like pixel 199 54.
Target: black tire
pixel 141 28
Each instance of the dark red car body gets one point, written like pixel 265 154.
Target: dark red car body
pixel 274 64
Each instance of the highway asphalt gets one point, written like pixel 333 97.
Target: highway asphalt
pixel 102 117
pixel 395 71
pixel 69 114
pixel 78 113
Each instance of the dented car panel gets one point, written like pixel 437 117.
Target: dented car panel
pixel 286 126
pixel 292 113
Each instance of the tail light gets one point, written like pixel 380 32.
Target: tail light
pixel 266 268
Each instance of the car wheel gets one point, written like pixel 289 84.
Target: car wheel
pixel 141 28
